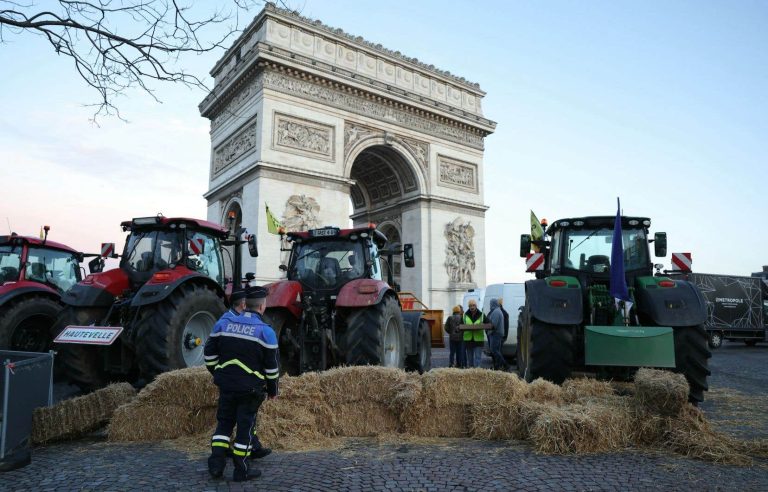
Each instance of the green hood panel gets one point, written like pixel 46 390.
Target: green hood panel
pixel 629 346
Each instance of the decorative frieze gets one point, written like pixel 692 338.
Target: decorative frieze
pixel 235 104
pixel 302 136
pixel 457 174
pixel 234 148
pixel 369 108
pixel 460 251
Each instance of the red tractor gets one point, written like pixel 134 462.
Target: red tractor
pixel 335 309
pixel 33 275
pixel 154 312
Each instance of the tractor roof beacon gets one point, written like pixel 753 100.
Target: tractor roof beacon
pixel 34 273
pixel 166 295
pixel 335 308
pixel 571 322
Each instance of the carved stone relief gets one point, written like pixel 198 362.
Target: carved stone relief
pixel 233 106
pixel 235 147
pixel 354 133
pixel 460 251
pixel 303 136
pixel 457 174
pixel 369 108
pixel 300 213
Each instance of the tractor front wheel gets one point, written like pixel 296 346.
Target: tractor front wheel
pixel 422 360
pixel 26 324
pixel 691 355
pixel 375 335
pixel 81 364
pixel 172 334
pixel 548 351
pixel 715 339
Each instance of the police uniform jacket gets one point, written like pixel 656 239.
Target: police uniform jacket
pixel 242 354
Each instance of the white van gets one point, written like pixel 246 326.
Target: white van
pixel 476 294
pixel 514 297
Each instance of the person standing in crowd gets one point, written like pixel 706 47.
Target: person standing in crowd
pixel 496 334
pixel 474 339
pixel 506 319
pixel 455 340
pixel 241 353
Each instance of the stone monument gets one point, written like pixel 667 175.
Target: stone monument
pixel 328 129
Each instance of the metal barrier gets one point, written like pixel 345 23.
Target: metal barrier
pixel 27 383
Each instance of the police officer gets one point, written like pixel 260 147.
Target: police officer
pixel 241 353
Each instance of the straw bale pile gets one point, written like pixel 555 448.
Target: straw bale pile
pixel 662 392
pixel 190 388
pixel 575 390
pixel 78 416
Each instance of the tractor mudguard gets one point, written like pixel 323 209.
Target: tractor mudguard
pixel 363 292
pixel 10 292
pixel 681 305
pixel 98 289
pixel 411 321
pixel 156 290
pixel 285 294
pixel 555 305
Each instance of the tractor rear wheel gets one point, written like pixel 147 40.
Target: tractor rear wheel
pixel 280 320
pixel 549 352
pixel 81 364
pixel 421 361
pixel 172 334
pixel 26 325
pixel 691 354
pixel 375 335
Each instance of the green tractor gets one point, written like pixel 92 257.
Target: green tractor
pixel 571 321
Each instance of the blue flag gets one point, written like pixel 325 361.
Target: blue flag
pixel 618 284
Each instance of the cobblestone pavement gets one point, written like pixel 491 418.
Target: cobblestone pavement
pixel 454 464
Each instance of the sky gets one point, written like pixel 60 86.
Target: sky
pixel 663 104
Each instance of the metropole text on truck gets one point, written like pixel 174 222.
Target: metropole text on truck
pixel 737 306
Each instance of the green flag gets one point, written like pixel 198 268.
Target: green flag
pixel 273 225
pixel 537 232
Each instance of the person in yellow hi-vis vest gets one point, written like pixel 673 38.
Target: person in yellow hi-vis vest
pixel 474 340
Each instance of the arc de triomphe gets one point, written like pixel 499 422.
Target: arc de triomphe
pixel 326 128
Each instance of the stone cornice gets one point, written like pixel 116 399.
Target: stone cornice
pixel 313 25
pixel 452 205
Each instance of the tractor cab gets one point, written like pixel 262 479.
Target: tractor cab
pixel 160 243
pixel 29 259
pixel 324 260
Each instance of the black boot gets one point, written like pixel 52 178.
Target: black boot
pixel 243 471
pixel 217 462
pixel 257 454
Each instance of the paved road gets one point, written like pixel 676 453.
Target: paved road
pixel 451 465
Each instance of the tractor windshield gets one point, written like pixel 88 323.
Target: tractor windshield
pixel 53 267
pixel 10 263
pixel 327 264
pixel 589 250
pixel 148 251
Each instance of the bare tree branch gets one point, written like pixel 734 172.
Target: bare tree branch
pixel 117 45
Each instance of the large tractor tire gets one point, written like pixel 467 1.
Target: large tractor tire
pixel 421 361
pixel 375 335
pixel 691 355
pixel 80 364
pixel 26 325
pixel 172 333
pixel 548 352
pixel 280 319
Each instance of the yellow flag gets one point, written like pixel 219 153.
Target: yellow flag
pixel 537 233
pixel 273 225
pixel 42 236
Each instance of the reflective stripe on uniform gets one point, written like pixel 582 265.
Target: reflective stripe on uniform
pixel 220 444
pixel 220 437
pixel 209 357
pixel 212 362
pixel 236 362
pixel 237 452
pixel 241 446
pixel 273 376
pixel 271 370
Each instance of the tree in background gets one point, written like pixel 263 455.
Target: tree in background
pixel 121 44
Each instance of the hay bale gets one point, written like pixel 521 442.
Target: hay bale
pixel 286 424
pixel 542 391
pixel 575 390
pixel 364 419
pixel 663 392
pixel 140 422
pixel 451 386
pixel 512 420
pixel 78 416
pixel 432 421
pixel 191 388
pixel 392 387
pixel 582 429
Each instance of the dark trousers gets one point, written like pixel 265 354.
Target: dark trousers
pixel 457 355
pixel 235 409
pixel 495 342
